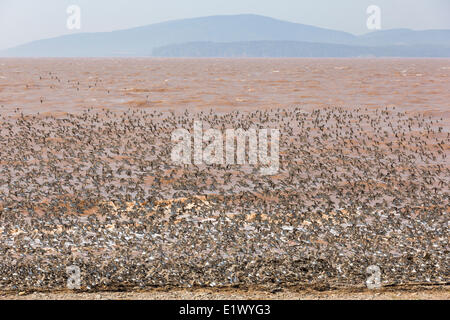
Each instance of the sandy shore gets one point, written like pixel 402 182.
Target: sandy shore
pixel 433 293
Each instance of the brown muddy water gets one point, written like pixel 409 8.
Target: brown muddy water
pixel 70 85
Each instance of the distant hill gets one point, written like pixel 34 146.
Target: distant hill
pixel 405 37
pixel 295 49
pixel 142 41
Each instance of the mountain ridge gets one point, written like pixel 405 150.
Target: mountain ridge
pixel 142 40
pixel 295 49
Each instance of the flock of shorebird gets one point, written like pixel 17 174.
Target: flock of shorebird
pixel 98 189
pixel 329 158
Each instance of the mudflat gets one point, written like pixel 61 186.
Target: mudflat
pixel 442 293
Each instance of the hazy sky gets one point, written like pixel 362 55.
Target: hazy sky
pixel 26 20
